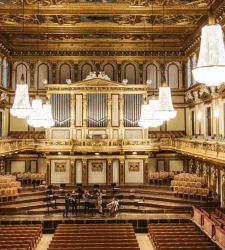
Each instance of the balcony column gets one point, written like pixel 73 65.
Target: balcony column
pixel 84 113
pixel 223 189
pixel 84 172
pixel 72 111
pixel 122 171
pixel 72 172
pixel 109 172
pixel 48 171
pixel 121 116
pixel 205 172
pixel 146 161
pixel 213 180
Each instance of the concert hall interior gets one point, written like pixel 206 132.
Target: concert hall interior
pixel 112 124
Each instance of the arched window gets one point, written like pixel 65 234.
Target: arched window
pixel 64 73
pixel 42 74
pixel 109 71
pixel 4 80
pixel 21 68
pixel 194 64
pixel 130 73
pixel 173 76
pixel 189 72
pixel 151 74
pixel 85 70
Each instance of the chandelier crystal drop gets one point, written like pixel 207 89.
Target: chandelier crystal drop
pixel 21 106
pixel 150 115
pixel 47 111
pixel 210 69
pixel 167 111
pixel 36 119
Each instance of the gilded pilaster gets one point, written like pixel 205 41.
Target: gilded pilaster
pixel 32 71
pixel 48 171
pixel 72 110
pixel 223 189
pixel 121 115
pixel 145 171
pixel 122 171
pixel 109 176
pixel 84 105
pixel 84 172
pixel 72 172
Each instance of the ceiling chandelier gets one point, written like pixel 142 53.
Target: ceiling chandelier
pixel 210 69
pixel 48 118
pixel 150 115
pixel 166 108
pixel 21 106
pixel 36 119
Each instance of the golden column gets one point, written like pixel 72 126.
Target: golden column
pixel 84 114
pixel 109 115
pixel 48 171
pixel 146 171
pixel 109 172
pixel 72 110
pixel 121 116
pixel 72 172
pixel 84 172
pixel 122 171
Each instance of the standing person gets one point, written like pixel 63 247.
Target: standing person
pixel 73 202
pixel 87 200
pixel 113 207
pixel 67 205
pixel 99 194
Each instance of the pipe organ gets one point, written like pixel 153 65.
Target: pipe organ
pixel 132 109
pixel 61 109
pixel 96 108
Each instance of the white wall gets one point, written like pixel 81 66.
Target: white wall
pixel 116 169
pixel 60 177
pixel 176 165
pixel 17 166
pixel 78 171
pixel 97 177
pixel 134 176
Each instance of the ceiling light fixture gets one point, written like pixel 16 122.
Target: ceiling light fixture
pixel 210 69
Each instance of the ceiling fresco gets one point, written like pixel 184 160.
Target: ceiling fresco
pixel 83 24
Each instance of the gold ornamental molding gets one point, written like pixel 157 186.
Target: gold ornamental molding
pixel 96 85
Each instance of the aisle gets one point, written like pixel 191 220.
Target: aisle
pixel 142 239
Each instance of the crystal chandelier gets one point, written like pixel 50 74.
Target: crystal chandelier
pixel 36 119
pixel 167 111
pixel 150 115
pixel 49 121
pixel 210 69
pixel 21 106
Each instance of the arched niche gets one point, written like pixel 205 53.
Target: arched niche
pixel 193 65
pixel 65 73
pixel 174 75
pixel 43 73
pixel 85 69
pixel 152 72
pixel 189 81
pixel 4 73
pixel 109 70
pixel 21 68
pixel 130 73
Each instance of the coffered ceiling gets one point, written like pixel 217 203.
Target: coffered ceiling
pixel 158 25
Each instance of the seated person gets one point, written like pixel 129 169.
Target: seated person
pixel 113 207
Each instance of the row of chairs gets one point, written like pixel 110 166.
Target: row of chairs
pixel 19 237
pixel 175 236
pixel 191 192
pixel 94 237
pixel 185 184
pixel 190 178
pixel 162 176
pixel 27 134
pixel 30 177
pixel 7 194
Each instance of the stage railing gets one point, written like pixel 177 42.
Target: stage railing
pixel 209 227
